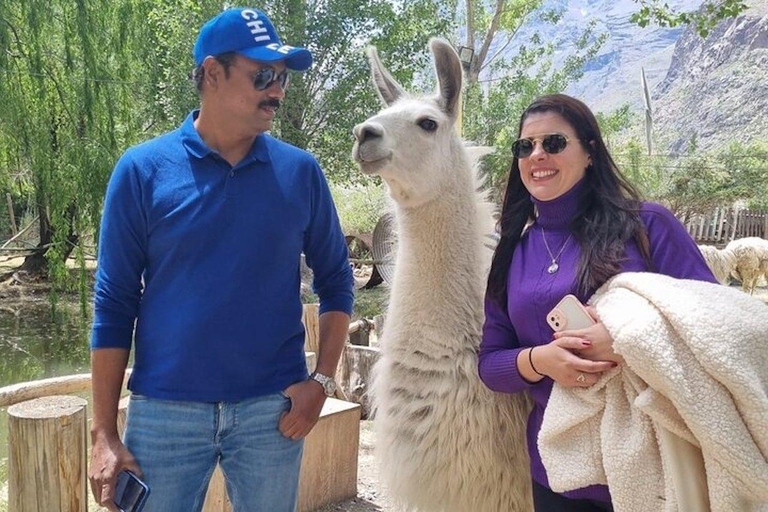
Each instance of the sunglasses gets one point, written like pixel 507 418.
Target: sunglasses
pixel 265 77
pixel 553 144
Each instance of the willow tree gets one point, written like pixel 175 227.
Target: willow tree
pixel 81 80
pixel 65 80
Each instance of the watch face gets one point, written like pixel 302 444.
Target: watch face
pixel 329 387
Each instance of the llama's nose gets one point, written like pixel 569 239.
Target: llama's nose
pixel 367 131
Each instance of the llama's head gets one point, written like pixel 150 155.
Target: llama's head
pixel 412 143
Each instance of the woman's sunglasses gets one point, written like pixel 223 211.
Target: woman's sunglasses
pixel 553 144
pixel 265 77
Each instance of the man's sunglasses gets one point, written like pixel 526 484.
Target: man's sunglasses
pixel 553 144
pixel 265 77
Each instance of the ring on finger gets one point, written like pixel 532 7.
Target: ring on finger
pixel 581 379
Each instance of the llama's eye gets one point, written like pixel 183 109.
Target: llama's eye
pixel 427 125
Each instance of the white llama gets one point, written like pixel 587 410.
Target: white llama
pixel 444 441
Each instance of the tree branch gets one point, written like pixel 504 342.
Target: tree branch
pixel 489 35
pixel 470 26
pixel 483 65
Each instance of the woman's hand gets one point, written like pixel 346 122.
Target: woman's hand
pixel 557 361
pixel 600 346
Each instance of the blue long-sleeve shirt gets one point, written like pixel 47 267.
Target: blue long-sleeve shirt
pixel 218 249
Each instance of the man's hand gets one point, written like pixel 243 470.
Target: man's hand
pixel 307 398
pixel 108 458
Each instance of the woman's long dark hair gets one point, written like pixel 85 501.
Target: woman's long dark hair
pixel 607 212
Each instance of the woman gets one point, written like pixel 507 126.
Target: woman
pixel 570 222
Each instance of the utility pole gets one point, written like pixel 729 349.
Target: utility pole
pixel 648 111
pixel 466 54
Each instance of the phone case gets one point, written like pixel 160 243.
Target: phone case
pixel 569 314
pixel 130 492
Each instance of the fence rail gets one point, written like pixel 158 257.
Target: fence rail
pixel 722 225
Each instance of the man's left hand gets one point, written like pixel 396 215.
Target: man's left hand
pixel 307 398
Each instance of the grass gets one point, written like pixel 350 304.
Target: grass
pixel 371 302
pixel 368 303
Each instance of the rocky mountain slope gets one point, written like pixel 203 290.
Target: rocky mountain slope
pixel 717 88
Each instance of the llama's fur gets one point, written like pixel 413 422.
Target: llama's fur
pixel 751 261
pixel 721 262
pixel 444 441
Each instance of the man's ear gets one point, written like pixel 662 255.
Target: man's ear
pixel 214 72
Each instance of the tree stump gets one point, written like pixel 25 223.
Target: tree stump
pixel 47 459
pixel 355 374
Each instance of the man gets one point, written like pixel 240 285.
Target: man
pixel 214 217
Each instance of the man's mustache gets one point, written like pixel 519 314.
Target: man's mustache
pixel 270 103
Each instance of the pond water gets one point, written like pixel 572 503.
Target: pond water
pixel 34 344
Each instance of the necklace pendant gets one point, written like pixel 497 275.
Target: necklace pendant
pixel 554 267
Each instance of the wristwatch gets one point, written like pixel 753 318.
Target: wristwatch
pixel 329 385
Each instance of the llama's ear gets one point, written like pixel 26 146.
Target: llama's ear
pixel 387 87
pixel 448 68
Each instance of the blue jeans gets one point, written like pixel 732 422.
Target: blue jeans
pixel 179 444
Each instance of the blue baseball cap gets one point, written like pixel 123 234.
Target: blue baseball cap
pixel 249 33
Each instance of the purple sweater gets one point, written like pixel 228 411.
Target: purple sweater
pixel 532 293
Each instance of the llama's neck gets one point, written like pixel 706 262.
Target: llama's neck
pixel 441 256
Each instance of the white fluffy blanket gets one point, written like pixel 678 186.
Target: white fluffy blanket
pixel 697 367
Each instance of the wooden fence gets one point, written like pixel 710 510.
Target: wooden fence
pixel 722 225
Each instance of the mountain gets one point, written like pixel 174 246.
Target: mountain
pixel 612 78
pixel 717 88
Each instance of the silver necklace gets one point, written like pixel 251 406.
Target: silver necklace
pixel 554 267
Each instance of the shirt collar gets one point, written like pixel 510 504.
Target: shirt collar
pixel 199 149
pixel 559 211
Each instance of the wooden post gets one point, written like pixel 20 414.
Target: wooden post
pixel 24 391
pixel 122 414
pixel 719 235
pixel 311 319
pixel 765 224
pixel 8 242
pixel 47 459
pixel 355 374
pixel 329 461
pixel 14 229
pixel 359 332
pixel 735 225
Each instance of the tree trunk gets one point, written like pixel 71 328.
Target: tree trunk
pixel 36 264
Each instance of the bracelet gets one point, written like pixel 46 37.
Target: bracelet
pixel 530 360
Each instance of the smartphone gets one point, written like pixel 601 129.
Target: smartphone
pixel 130 492
pixel 569 314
